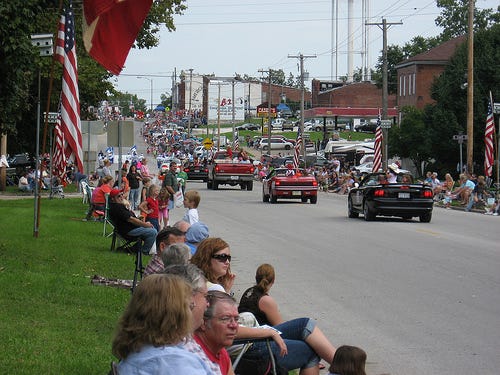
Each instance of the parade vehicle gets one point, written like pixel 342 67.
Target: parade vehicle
pixel 196 171
pixel 373 196
pixel 289 183
pixel 226 168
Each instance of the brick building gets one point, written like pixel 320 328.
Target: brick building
pixel 416 74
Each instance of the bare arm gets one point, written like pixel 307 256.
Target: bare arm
pixel 269 306
pixel 262 333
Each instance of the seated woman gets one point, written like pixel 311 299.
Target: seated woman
pixel 151 331
pixel 304 343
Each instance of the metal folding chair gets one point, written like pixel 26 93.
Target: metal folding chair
pixel 247 343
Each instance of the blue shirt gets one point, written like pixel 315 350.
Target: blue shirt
pixel 164 360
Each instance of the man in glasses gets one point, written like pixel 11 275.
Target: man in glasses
pixel 126 223
pixel 218 330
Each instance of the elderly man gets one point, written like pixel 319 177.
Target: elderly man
pixel 166 237
pixel 126 223
pixel 219 330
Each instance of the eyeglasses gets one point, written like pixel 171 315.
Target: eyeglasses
pixel 228 319
pixel 223 258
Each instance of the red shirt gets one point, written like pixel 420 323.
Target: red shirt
pixel 98 195
pixel 153 205
pixel 222 358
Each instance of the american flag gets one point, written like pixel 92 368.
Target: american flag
pixel 236 142
pixel 59 160
pixel 297 148
pixel 70 103
pixel 489 137
pixel 377 159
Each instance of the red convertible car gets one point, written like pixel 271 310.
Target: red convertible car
pixel 287 183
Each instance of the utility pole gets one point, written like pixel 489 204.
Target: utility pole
pixel 268 107
pixel 384 25
pixel 190 96
pixel 470 90
pixel 301 58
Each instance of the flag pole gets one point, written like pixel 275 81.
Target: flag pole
pixel 497 162
pixel 36 229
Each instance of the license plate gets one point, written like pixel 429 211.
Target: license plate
pixel 196 170
pixel 296 193
pixel 234 177
pixel 404 195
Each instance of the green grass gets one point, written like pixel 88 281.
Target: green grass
pixel 52 319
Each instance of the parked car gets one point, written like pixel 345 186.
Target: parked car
pixel 21 162
pixel 287 125
pixel 316 160
pixel 286 183
pixel 404 199
pixel 367 127
pixel 364 168
pixel 276 144
pixel 248 126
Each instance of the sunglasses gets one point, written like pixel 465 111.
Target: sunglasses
pixel 223 258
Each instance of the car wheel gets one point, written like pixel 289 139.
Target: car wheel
pixel 313 199
pixel 426 218
pixel 350 211
pixel 215 185
pixel 273 198
pixel 209 184
pixel 250 185
pixel 243 185
pixel 303 199
pixel 264 148
pixel 367 213
pixel 287 147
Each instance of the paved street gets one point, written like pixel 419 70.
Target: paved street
pixel 420 298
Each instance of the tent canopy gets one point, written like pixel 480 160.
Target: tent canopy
pixel 282 107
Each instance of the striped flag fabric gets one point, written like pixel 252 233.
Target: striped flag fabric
pixel 489 139
pixel 236 142
pixel 70 102
pixel 297 148
pixel 59 160
pixel 377 159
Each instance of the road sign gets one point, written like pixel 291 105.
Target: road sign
pixel 460 137
pixel 385 124
pixel 496 107
pixel 52 117
pixel 208 143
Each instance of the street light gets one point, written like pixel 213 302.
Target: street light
pixel 44 44
pixel 151 85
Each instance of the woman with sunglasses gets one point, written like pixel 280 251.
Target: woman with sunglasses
pixel 301 343
pixel 213 257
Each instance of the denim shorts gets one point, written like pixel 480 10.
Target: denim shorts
pixel 300 354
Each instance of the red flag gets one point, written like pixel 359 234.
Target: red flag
pixel 377 159
pixel 298 146
pixel 70 102
pixel 489 139
pixel 110 29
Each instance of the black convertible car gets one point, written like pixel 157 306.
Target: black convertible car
pixel 375 197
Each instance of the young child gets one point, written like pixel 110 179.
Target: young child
pixel 150 206
pixel 191 202
pixel 348 360
pixel 146 183
pixel 163 198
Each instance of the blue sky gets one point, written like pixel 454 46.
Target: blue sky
pixel 227 37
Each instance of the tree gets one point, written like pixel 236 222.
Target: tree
pixel 454 14
pixel 411 139
pixel 451 98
